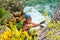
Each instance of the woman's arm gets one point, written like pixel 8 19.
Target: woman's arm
pixel 34 24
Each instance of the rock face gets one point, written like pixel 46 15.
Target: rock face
pixel 56 15
pixel 42 36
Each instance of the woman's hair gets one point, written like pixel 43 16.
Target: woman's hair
pixel 24 23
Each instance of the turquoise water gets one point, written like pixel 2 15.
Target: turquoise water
pixel 36 9
pixel 40 5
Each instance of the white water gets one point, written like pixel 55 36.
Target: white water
pixel 36 16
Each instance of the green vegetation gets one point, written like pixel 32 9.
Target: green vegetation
pixel 4 15
pixel 54 27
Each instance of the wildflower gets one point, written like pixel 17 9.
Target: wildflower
pixel 25 33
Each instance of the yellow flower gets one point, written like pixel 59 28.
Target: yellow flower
pixel 20 31
pixel 5 36
pixel 17 33
pixel 25 33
